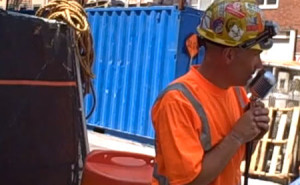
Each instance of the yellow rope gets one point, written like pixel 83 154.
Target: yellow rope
pixel 72 13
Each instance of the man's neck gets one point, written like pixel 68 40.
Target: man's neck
pixel 214 74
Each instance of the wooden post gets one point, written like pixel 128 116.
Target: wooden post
pixel 265 141
pixel 254 158
pixel 291 141
pixel 279 136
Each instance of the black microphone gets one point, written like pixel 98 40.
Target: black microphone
pixel 261 84
pixel 259 87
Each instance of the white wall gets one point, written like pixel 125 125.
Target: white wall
pixel 38 3
pixel 3 4
pixel 283 48
pixel 200 4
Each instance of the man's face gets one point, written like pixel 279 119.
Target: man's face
pixel 244 64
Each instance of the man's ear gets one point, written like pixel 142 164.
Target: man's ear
pixel 228 54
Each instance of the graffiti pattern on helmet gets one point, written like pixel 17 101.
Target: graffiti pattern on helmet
pixel 235 9
pixel 206 20
pixel 221 10
pixel 234 29
pixel 254 23
pixel 252 8
pixel 218 25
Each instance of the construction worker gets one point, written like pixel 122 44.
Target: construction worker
pixel 200 123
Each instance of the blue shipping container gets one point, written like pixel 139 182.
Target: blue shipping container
pixel 138 52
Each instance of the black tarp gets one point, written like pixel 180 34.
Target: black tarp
pixel 40 108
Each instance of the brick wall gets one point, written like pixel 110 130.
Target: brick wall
pixel 287 15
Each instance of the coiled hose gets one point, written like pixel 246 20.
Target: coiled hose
pixel 72 13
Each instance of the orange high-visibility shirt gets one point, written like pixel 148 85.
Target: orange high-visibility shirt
pixel 179 152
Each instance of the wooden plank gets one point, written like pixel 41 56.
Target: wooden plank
pixel 285 109
pixel 254 158
pixel 276 150
pixel 291 141
pixel 272 113
pixel 259 173
pixel 274 141
pixel 277 176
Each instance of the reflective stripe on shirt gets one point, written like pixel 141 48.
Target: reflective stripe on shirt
pixel 205 137
pixel 239 95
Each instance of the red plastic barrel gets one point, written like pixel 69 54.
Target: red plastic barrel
pixel 117 168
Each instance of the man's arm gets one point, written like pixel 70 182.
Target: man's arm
pixel 215 160
pixel 245 130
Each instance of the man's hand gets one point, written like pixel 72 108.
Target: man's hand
pixel 253 124
pixel 246 129
pixel 262 119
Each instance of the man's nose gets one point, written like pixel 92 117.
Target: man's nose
pixel 258 64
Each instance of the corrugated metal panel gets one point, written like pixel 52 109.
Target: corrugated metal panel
pixel 136 56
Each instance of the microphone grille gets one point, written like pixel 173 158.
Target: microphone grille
pixel 263 85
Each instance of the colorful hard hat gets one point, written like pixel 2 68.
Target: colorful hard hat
pixel 237 23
